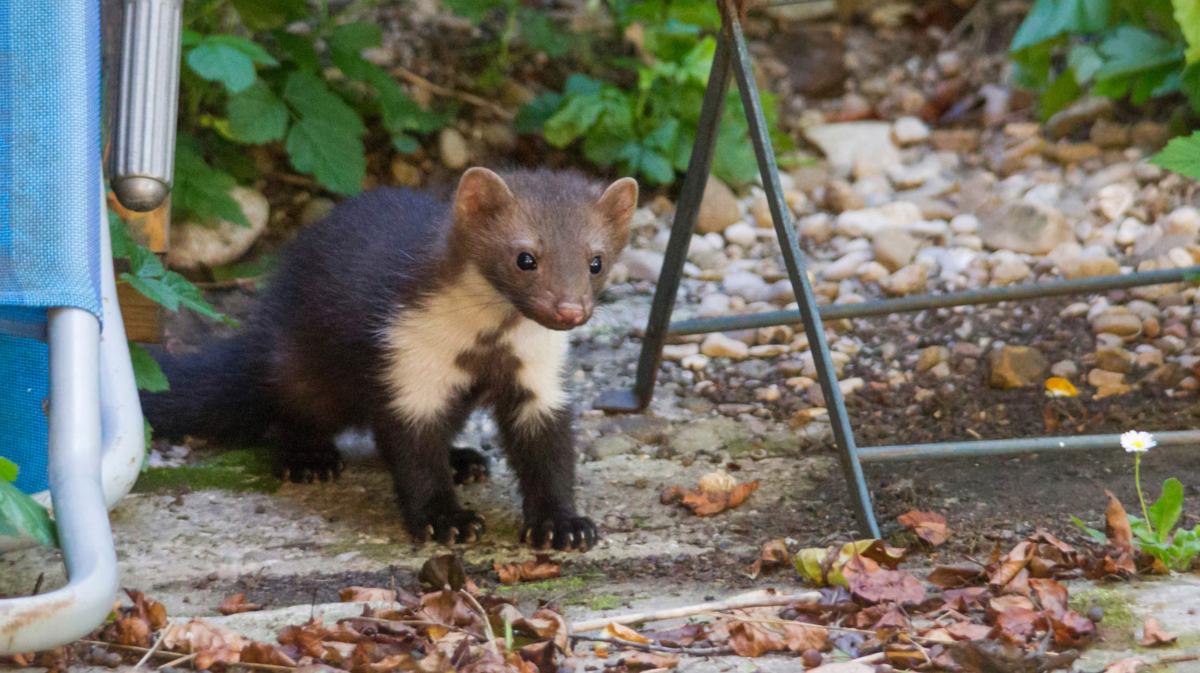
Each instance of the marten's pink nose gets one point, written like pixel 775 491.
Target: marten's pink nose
pixel 570 314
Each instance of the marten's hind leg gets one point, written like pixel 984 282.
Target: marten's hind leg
pixel 469 465
pixel 305 453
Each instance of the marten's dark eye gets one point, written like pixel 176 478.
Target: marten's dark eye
pixel 526 262
pixel 596 265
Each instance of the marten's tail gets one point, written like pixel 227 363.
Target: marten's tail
pixel 218 393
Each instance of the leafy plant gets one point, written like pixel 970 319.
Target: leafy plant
pixel 1181 155
pixel 517 24
pixel 1113 48
pixel 265 84
pixel 21 516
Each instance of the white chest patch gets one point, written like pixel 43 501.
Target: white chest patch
pixel 424 344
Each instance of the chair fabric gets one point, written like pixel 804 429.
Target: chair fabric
pixel 49 205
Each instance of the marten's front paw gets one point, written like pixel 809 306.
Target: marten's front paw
pixel 562 531
pixel 305 467
pixel 460 525
pixel 469 465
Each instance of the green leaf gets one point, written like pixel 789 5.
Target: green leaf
pixel 1187 15
pixel 202 192
pixel 146 371
pixel 189 295
pixel 1096 535
pixel 1129 51
pixel 582 85
pixel 268 14
pixel 22 517
pixel 1048 19
pixel 336 160
pixel 145 264
pixel 475 10
pixel 217 62
pixel 251 49
pixel 575 118
pixel 123 244
pixel 299 49
pixel 1085 60
pixel 8 470
pixel 312 99
pixel 256 115
pixel 1058 95
pixel 154 290
pixel 533 115
pixel 1181 155
pixel 346 45
pixel 1165 511
pixel 405 144
pixel 399 111
pixel 540 34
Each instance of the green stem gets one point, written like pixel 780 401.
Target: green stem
pixel 1137 479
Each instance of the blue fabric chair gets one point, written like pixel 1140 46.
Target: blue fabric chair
pixel 69 415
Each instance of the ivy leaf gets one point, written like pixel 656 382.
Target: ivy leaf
pixel 1048 19
pixel 250 48
pixel 299 49
pixel 336 160
pixel 533 115
pixel 256 115
pixel 1165 511
pixel 1129 51
pixel 146 372
pixel 202 192
pixel 219 62
pixel 268 14
pixel 1181 155
pixel 22 517
pixel 1187 15
pixel 575 119
pixel 8 470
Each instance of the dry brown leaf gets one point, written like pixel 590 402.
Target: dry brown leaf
pixel 929 526
pixel 954 576
pixel 152 611
pixel 1002 603
pixel 1120 536
pixel 965 599
pixel 874 584
pixel 843 667
pixel 968 631
pixel 210 643
pixel 1018 624
pixel 752 639
pixel 1012 564
pixel 718 491
pixel 1154 635
pixel 1127 665
pixel 133 631
pixel 447 607
pixel 236 604
pixel 1071 629
pixel 680 636
pixel 538 568
pixel 306 638
pixel 642 661
pixel 1051 596
pixel 265 653
pixel 773 555
pixel 620 632
pixel 367 595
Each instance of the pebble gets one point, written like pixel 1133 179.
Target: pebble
pixel 1113 201
pixel 1010 269
pixel 695 362
pixel 1029 227
pixel 452 148
pixel 1065 369
pixel 741 233
pixel 195 245
pixel 846 266
pixel 1118 320
pixel 768 350
pixel 642 264
pixel 909 131
pixel 677 352
pixel 895 248
pixel 720 346
pixel 718 208
pixel 931 357
pixel 1016 367
pixel 908 280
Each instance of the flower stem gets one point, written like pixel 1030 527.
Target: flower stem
pixel 1137 479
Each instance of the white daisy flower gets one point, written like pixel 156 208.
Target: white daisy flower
pixel 1136 441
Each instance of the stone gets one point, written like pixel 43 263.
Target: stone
pixel 1023 226
pixel 500 136
pixel 1010 269
pixel 1065 369
pixel 1078 115
pixel 642 264
pixel 846 144
pixel 452 148
pixel 894 248
pixel 840 196
pixel 1118 320
pixel 1150 135
pixel 851 385
pixel 746 284
pixel 1113 201
pixel 714 304
pixel 768 393
pixel 195 245
pixel 1091 265
pixel 1115 360
pixel 955 140
pixel 695 362
pixel 677 352
pixel 1129 231
pixel 1100 377
pixel 720 346
pixel 611 445
pixel 404 174
pixel 741 233
pixel 315 210
pixel 1184 221
pixel 907 280
pixel 872 272
pixel 1109 134
pixel 818 227
pixel 1016 367
pixel 718 208
pixel 942 369
pixel 768 350
pixel 931 357
pixel 964 223
pixel 909 131
pixel 846 266
pixel 1072 153
pixel 703 436
pixel 868 221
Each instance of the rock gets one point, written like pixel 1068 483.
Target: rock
pixel 840 196
pixel 642 264
pixel 703 436
pixel 942 370
pixel 704 254
pixel 1150 135
pixel 1072 153
pixel 1010 269
pixel 695 362
pixel 741 233
pixel 872 272
pixel 195 246
pixel 452 148
pixel 714 304
pixel 846 266
pixel 315 210
pixel 1016 367
pixel 718 208
pixel 1109 134
pixel 1077 115
pixel 955 140
pixel 817 227
pixel 768 394
pixel 964 223
pixel 1118 320
pixel 931 357
pixel 850 144
pixel 1032 228
pixel 865 222
pixel 1183 221
pixel 1065 369
pixel 1113 201
pixel 909 130
pixel 768 350
pixel 405 174
pixel 611 445
pixel 1100 377
pixel 1115 360
pixel 851 385
pixel 907 280
pixel 677 352
pixel 720 346
pixel 894 248
pixel 1111 390
pixel 750 286
pixel 1129 230
pixel 1091 265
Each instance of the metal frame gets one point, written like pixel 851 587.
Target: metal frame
pixel 732 54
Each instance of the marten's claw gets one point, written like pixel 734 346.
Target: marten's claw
pixel 458 526
pixel 562 532
pixel 305 467
pixel 469 465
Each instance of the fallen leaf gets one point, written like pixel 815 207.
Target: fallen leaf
pixel 1153 634
pixel 152 611
pixel 773 554
pixel 954 576
pixel 965 599
pixel 823 566
pixel 990 656
pixel 1057 386
pixel 134 631
pixel 264 653
pixel 445 570
pixel 680 636
pixel 307 638
pixel 929 526
pixel 874 584
pixel 210 643
pixel 236 604
pixel 1072 629
pixel 620 632
pixel 1051 596
pixel 968 631
pixel 1012 564
pixel 753 639
pixel 1120 536
pixel 1019 624
pixel 715 495
pixel 539 568
pixel 1127 665
pixel 641 661
pixel 447 607
pixel 367 595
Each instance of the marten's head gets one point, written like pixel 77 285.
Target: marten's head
pixel 545 240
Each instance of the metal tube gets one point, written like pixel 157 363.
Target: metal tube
pixel 991 295
pixel 1000 447
pixel 792 257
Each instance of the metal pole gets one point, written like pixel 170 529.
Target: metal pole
pixel 813 327
pixel 991 295
pixel 1000 447
pixel 669 276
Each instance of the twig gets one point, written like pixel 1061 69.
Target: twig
pixel 419 622
pixel 487 624
pixel 184 657
pixel 416 80
pixel 755 599
pixel 180 660
pixel 646 647
pixel 157 644
pixel 37 586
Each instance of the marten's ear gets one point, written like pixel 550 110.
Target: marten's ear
pixel 481 195
pixel 618 202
